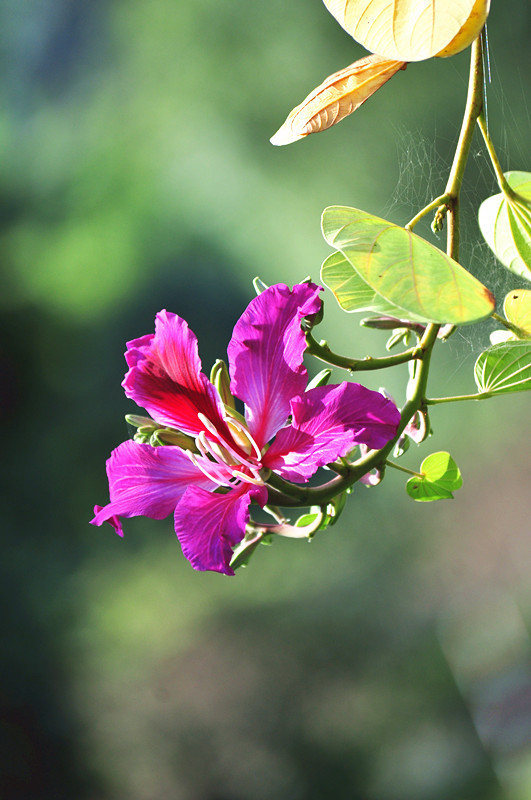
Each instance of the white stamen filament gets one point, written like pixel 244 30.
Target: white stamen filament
pixel 218 453
pixel 207 473
pixel 247 478
pixel 239 459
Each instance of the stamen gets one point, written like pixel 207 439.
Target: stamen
pixel 240 459
pixel 211 428
pixel 207 472
pixel 247 478
pixel 236 426
pixel 214 450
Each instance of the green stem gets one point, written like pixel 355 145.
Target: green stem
pixel 283 493
pixel 404 469
pixel 473 109
pixel 433 401
pixel 510 326
pixel 286 494
pixel 439 201
pixel 322 351
pixel 500 177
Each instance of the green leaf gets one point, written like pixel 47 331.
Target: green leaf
pixel 505 223
pixel 402 270
pixel 307 519
pixel 440 477
pixel 504 368
pixel 315 517
pixel 355 293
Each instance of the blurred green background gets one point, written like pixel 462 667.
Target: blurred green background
pixel 388 660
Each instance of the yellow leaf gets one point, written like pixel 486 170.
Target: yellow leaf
pixel 411 30
pixel 337 97
pixel 517 309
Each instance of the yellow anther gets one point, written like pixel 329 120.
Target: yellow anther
pixel 241 439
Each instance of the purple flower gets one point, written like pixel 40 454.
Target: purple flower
pixel 210 489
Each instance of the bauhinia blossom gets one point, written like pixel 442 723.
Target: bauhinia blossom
pixel 210 486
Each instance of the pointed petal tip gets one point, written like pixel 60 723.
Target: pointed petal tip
pixel 113 520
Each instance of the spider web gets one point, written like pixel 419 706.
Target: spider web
pixel 423 168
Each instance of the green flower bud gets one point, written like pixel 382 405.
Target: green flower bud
pixel 137 421
pixel 259 285
pixel 321 379
pixel 168 436
pixel 219 376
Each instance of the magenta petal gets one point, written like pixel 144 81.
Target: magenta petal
pixel 114 521
pixel 327 422
pixel 165 377
pixel 209 525
pixel 265 355
pixel 146 481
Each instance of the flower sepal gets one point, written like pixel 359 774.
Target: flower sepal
pixel 243 552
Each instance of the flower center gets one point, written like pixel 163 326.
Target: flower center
pixel 227 461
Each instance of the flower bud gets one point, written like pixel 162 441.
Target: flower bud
pixel 385 323
pixel 321 379
pixel 137 421
pixel 259 285
pixel 168 436
pixel 219 376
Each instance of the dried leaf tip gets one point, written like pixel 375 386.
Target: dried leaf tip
pixel 337 97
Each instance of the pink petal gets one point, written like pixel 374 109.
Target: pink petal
pixel 146 481
pixel 114 521
pixel 209 525
pixel 327 422
pixel 265 355
pixel 165 377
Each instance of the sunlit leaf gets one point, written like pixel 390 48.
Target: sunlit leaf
pixel 504 368
pixel 505 223
pixel 337 97
pixel 350 290
pixel 413 276
pixel 440 477
pixel 517 309
pixel 411 30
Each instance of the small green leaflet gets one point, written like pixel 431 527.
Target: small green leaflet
pixel 505 223
pixel 440 477
pixel 504 368
pixel 390 270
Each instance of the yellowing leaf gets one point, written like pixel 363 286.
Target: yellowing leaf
pixel 470 30
pixel 517 309
pixel 403 270
pixel 411 30
pixel 337 97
